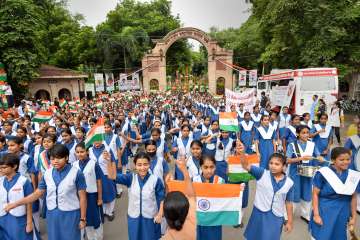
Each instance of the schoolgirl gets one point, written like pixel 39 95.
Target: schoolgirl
pixel 65 187
pixel 158 165
pixel 28 145
pixel 224 145
pixel 284 120
pixel 273 200
pixel 211 138
pixel 289 134
pixel 16 223
pixel 241 112
pixel 256 116
pixel 334 198
pixel 208 167
pixel 113 142
pixel 302 152
pixel 264 140
pixel 307 120
pixel 92 173
pixel 353 143
pixel 247 132
pixel 146 195
pixel 321 135
pixel 181 146
pixel 239 150
pixel 104 156
pixel 80 133
pixel 69 143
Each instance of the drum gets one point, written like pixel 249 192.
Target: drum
pixel 307 171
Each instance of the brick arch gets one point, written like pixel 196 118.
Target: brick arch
pixel 154 62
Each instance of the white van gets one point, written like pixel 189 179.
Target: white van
pixel 305 83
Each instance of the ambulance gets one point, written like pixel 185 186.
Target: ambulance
pixel 295 88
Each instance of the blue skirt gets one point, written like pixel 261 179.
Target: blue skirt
pixel 141 228
pixel 12 227
pixel 208 232
pixel 108 188
pixel 263 226
pixel 94 213
pixel 335 214
pixel 63 224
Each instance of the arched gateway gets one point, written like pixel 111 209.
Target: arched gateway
pixel 154 62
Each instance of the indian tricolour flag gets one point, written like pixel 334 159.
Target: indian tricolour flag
pixel 99 105
pixel 236 172
pixel 228 121
pixel 96 133
pixel 62 103
pixel 42 116
pixel 216 204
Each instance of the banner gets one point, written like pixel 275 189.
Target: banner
pixel 123 82
pixel 281 95
pixel 135 81
pixel 99 82
pixel 242 78
pixel 252 78
pixel 89 87
pixel 246 97
pixel 109 78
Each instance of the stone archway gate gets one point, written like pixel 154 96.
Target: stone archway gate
pixel 154 62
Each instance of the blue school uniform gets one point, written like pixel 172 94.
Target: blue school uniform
pixel 145 196
pixel 209 232
pixel 256 119
pixel 159 167
pixel 353 144
pixel 246 135
pixel 267 217
pixel 183 145
pixel 63 207
pixel 289 135
pixel 221 156
pixel 334 208
pixel 210 148
pixel 71 147
pixel 13 223
pixel 265 136
pixel 322 140
pixel 92 173
pixel 302 185
pixel 284 120
pixel 108 185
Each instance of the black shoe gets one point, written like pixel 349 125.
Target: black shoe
pixel 304 219
pixel 241 225
pixel 110 218
pixel 118 195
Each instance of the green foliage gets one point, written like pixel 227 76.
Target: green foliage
pixel 20 42
pixel 297 34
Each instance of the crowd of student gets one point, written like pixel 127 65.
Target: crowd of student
pixel 47 171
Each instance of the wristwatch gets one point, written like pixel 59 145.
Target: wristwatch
pixel 83 220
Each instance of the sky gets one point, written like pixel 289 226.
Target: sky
pixel 202 14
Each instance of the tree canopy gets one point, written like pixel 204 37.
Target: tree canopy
pixel 297 34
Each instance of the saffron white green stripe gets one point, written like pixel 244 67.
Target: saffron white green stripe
pixel 228 121
pixel 94 135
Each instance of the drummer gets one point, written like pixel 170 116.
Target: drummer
pixel 302 153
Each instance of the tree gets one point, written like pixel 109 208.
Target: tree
pixel 20 42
